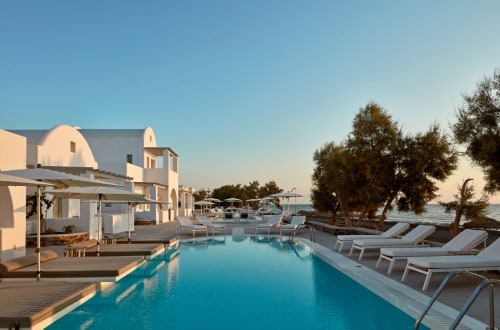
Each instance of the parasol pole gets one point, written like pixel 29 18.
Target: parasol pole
pixel 98 223
pixel 129 222
pixel 38 232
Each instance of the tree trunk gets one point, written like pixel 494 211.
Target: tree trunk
pixel 455 226
pixel 383 216
pixel 346 213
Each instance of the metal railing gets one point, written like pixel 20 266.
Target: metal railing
pixel 294 233
pixel 486 282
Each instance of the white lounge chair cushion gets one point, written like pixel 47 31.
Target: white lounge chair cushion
pixel 454 262
pixel 414 251
pixel 395 230
pixel 382 242
pixel 465 241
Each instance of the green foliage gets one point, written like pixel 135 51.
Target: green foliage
pixel 249 191
pixel 377 166
pixel 478 129
pixel 464 206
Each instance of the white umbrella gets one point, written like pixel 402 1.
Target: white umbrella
pixel 210 199
pixel 232 200
pixel 134 204
pixel 203 204
pixel 99 194
pixel 57 178
pixel 267 200
pixel 11 180
pixel 287 195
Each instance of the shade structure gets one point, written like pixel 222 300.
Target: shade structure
pixel 210 199
pixel 287 195
pixel 232 200
pixel 203 204
pixel 12 180
pixel 60 179
pixel 99 194
pixel 57 178
pixel 133 204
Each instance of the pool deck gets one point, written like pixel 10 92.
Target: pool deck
pixel 23 306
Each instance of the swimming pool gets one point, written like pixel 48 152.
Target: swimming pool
pixel 253 283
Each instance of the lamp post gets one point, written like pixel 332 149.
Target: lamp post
pixel 336 207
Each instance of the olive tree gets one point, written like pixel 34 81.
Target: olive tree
pixel 478 129
pixel 464 206
pixel 377 167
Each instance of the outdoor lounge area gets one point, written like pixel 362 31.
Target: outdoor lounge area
pixel 412 282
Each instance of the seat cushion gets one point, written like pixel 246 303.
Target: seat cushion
pixel 454 262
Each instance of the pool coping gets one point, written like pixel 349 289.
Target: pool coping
pixel 410 301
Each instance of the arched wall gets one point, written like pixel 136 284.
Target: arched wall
pixel 149 137
pixel 64 145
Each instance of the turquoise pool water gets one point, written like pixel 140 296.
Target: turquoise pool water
pixel 255 283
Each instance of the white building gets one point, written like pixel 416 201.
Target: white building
pixel 65 149
pixel 129 157
pixel 12 199
pixel 153 169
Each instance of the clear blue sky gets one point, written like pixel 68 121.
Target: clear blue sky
pixel 243 90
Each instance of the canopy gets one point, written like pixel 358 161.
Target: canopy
pixel 215 200
pixel 12 180
pixel 99 194
pixel 287 195
pixel 57 178
pixel 232 200
pixel 203 203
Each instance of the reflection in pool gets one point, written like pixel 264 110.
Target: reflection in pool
pixel 254 283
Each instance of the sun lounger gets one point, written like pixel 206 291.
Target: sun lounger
pixel 487 259
pixel 272 222
pixel 88 269
pixel 146 250
pixel 185 223
pixel 412 238
pixel 296 223
pixel 35 304
pixel 204 220
pixel 464 242
pixel 392 232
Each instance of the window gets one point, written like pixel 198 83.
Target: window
pixel 173 163
pixel 72 146
pixel 129 158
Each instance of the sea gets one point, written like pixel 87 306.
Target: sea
pixel 434 214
